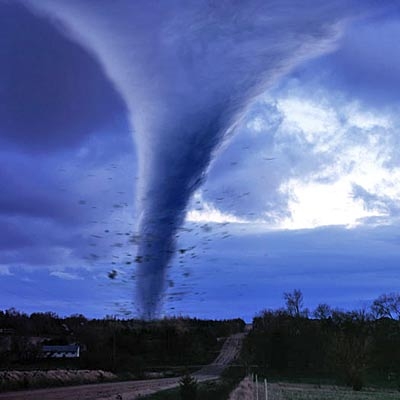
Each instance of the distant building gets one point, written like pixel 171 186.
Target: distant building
pixel 7 331
pixel 67 351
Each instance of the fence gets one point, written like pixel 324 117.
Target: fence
pixel 250 389
pixel 260 387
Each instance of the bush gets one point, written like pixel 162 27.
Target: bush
pixel 357 383
pixel 188 387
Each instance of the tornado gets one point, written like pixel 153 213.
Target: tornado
pixel 188 70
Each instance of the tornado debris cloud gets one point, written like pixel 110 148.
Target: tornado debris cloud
pixel 187 71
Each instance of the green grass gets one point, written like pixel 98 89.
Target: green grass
pixel 171 394
pixel 312 392
pixel 214 390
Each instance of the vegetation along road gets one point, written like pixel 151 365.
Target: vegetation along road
pixel 131 389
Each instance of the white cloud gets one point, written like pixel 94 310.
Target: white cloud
pixel 365 119
pixel 314 122
pixel 211 214
pixel 334 161
pixel 65 275
pixel 315 204
pixel 5 270
pixel 257 125
pixel 208 213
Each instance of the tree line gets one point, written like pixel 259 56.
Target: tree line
pixel 111 343
pixel 352 347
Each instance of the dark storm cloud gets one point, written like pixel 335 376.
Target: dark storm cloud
pixel 33 187
pixel 12 236
pixel 64 139
pixel 24 243
pixel 52 92
pixel 50 206
pixel 33 200
pixel 367 63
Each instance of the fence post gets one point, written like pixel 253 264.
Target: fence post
pixel 266 389
pixel 256 387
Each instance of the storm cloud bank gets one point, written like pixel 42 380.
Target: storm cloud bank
pixel 187 70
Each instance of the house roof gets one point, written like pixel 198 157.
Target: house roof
pixel 70 348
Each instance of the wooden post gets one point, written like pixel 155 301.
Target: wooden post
pixel 256 387
pixel 266 389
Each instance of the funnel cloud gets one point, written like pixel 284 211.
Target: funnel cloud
pixel 187 71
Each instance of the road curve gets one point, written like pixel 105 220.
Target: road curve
pixel 131 390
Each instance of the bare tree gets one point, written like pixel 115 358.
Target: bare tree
pixel 323 311
pixel 294 303
pixel 387 306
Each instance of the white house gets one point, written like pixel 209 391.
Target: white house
pixel 65 351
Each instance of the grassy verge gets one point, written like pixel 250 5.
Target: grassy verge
pixel 213 390
pixel 286 391
pixel 20 380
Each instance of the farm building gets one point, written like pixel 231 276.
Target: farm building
pixel 65 351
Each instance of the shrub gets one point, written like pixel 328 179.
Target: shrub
pixel 188 387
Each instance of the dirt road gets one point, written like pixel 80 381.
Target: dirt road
pixel 228 353
pixel 132 389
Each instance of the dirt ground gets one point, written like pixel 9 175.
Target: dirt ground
pixel 37 378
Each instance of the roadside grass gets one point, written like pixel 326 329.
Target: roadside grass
pixel 211 390
pixel 35 379
pixel 219 390
pixel 284 391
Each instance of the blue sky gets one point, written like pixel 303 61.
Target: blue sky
pixel 251 166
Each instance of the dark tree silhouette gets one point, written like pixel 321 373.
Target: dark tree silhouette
pixel 294 303
pixel 387 306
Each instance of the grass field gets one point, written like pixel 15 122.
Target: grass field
pixel 287 391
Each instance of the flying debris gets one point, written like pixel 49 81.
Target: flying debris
pixel 112 274
pixel 183 251
pixel 206 228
